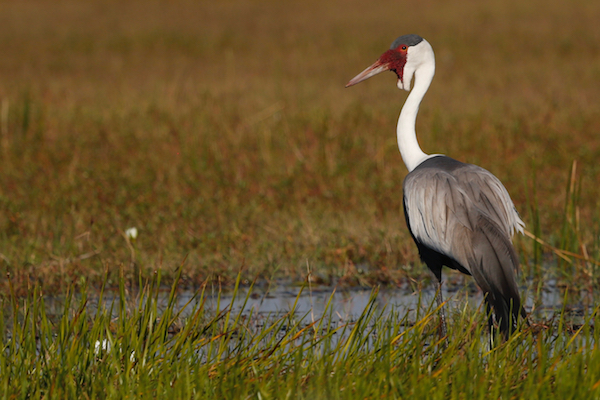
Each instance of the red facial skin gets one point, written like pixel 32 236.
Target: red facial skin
pixel 395 60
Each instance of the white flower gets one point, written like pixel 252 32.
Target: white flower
pixel 103 345
pixel 131 233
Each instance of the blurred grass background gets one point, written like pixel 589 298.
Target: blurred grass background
pixel 223 132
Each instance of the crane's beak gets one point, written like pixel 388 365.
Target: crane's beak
pixel 374 69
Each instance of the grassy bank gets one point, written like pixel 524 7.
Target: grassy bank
pixel 223 132
pixel 139 349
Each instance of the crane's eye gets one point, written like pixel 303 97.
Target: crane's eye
pixel 404 48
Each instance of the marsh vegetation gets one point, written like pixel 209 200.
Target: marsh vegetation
pixel 223 133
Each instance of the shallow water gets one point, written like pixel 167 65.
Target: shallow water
pixel 348 304
pixel 267 304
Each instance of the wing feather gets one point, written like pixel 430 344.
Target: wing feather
pixel 463 212
pixel 443 207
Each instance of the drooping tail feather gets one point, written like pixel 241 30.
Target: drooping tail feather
pixel 493 264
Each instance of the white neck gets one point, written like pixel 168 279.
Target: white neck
pixel 411 152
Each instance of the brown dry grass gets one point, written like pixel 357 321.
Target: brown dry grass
pixel 222 130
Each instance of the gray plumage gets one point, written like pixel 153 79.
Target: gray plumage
pixel 409 40
pixel 461 216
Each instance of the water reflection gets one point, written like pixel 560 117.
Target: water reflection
pixel 347 304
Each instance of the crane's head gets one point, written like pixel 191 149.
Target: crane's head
pixel 406 54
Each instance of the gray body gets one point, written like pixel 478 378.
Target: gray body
pixel 461 216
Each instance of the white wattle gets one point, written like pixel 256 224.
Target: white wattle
pixel 411 152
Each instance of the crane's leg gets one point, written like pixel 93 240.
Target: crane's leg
pixel 434 263
pixel 488 309
pixel 440 303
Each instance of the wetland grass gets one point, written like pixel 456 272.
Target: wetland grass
pixel 149 348
pixel 223 133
